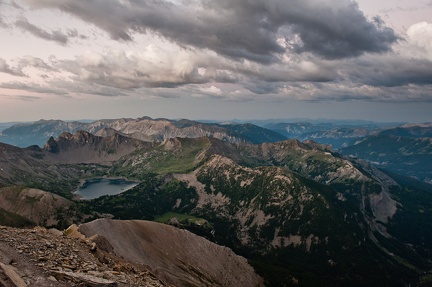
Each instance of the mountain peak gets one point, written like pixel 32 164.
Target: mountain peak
pixel 176 255
pixel 171 144
pixel 318 146
pixel 52 146
pixel 66 135
pixel 84 137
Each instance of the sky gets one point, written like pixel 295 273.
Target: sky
pixel 221 60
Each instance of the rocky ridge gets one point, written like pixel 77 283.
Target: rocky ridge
pixel 118 253
pixel 40 207
pixel 145 129
pixel 48 258
pixel 84 147
pixel 178 256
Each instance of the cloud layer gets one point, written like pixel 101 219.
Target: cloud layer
pixel 312 50
pixel 5 68
pixel 240 29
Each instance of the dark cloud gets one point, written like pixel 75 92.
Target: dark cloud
pixel 312 50
pixel 87 89
pixel 30 61
pixel 15 5
pixel 5 68
pixel 389 71
pixel 21 97
pixel 27 98
pixel 328 40
pixel 56 36
pixel 240 29
pixel 332 92
pixel 2 23
pixel 303 71
pixel 263 88
pixel 153 67
pixel 390 77
pixel 73 33
pixel 36 88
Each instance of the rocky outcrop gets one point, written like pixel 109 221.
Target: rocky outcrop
pixel 178 256
pixel 32 167
pixel 40 207
pixel 84 147
pixel 48 258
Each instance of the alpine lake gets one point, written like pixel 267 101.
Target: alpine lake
pixel 98 187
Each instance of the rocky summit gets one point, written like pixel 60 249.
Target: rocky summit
pixel 118 253
pixel 42 257
pixel 178 256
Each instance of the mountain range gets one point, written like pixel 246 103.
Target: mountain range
pixel 145 129
pixel 406 150
pixel 338 135
pixel 301 213
pixel 407 146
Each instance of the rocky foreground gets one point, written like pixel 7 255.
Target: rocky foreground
pixel 118 253
pixel 41 257
pixel 177 256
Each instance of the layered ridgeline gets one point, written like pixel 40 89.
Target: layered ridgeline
pixel 337 134
pixel 405 150
pixel 145 128
pixel 301 213
pixel 402 149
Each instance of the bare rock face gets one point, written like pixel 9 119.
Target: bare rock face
pixel 40 207
pixel 84 147
pixel 178 256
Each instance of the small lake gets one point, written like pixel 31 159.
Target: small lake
pixel 98 187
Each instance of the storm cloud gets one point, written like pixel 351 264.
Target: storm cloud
pixel 5 68
pixel 2 23
pixel 274 51
pixel 56 36
pixel 259 31
pixel 391 71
